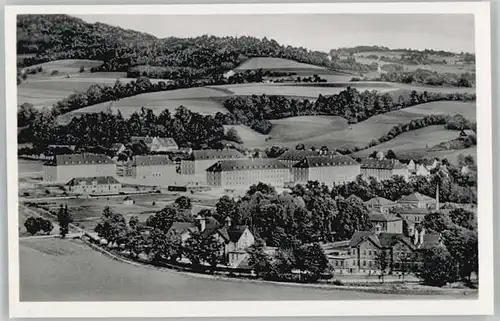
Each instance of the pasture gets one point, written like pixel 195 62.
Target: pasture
pixel 301 127
pixel 415 141
pixel 279 64
pixel 64 67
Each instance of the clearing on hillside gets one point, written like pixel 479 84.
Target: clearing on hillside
pixel 415 142
pixel 199 99
pixel 64 67
pixel 279 64
pixel 249 136
pixel 467 109
pixel 301 127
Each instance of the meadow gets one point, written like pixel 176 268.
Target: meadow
pixel 279 64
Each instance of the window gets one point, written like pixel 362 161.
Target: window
pixel 364 252
pixel 364 263
pixel 370 252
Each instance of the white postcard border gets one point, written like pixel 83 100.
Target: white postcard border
pixel 482 306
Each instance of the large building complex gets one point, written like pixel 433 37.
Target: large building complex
pixel 383 169
pixel 246 172
pixel 151 167
pixel 292 157
pixel 326 169
pixel 94 185
pixel 62 168
pixel 199 160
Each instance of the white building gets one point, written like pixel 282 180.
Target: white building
pixel 63 168
pixel 94 185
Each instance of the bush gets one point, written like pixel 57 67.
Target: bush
pixel 338 282
pixel 54 72
pixel 82 69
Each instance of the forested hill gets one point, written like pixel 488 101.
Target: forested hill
pixel 52 37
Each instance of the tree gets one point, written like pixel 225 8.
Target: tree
pixel 31 225
pixel 133 222
pixel 391 155
pixel 184 203
pixel 163 219
pixel 463 218
pixel 204 250
pixel 437 268
pixel 352 216
pixel 258 259
pixel 82 68
pixel 163 245
pixel 45 225
pixel 64 219
pixel 382 261
pixel 232 135
pixel 112 226
pixel 300 147
pixel 226 207
pixel 311 258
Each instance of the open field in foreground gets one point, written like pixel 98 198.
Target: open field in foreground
pixel 64 270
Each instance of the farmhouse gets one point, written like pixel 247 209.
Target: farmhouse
pixel 326 169
pixel 422 170
pixel 246 172
pixel 200 160
pixel 383 169
pixel 156 144
pixel 380 204
pixel 94 185
pixel 63 168
pixel 151 166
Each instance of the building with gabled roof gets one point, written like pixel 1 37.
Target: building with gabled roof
pixel 199 160
pixel 246 172
pixel 383 169
pixel 292 156
pixel 417 200
pixel 94 185
pixel 63 168
pixel 156 144
pixel 380 204
pixel 329 170
pixel 147 167
pixel 389 223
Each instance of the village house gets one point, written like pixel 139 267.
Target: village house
pixel 62 168
pixel 422 170
pixel 246 172
pixel 326 169
pixel 412 167
pixel 389 223
pixel 292 156
pixel 380 204
pixel 413 216
pixel 417 200
pixel 151 167
pixel 383 169
pixel 94 185
pixel 199 160
pixel 156 144
pixel 233 239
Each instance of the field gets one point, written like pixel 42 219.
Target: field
pixel 64 67
pixel 468 109
pixel 415 142
pixel 278 64
pixel 301 127
pixel 64 270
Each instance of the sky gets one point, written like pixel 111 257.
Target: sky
pixel 451 32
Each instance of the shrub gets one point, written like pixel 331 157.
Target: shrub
pixel 82 69
pixel 54 72
pixel 338 282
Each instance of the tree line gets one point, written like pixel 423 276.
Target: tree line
pixel 256 111
pixel 428 77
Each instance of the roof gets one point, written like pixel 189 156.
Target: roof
pixel 148 140
pixel 388 164
pixel 382 240
pixel 416 197
pixel 323 161
pixel 384 217
pixel 379 201
pixel 216 154
pixel 181 227
pixel 211 226
pixel 79 159
pixel 151 160
pixel 297 155
pixel 235 232
pixel 246 164
pixel 166 142
pixel 101 180
pixel 415 211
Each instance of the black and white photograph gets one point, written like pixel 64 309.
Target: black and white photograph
pixel 182 155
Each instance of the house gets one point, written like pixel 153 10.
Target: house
pixel 380 204
pixel 156 144
pixel 383 169
pixel 200 160
pixel 128 201
pixel 234 240
pixel 389 223
pixel 366 248
pixel 412 167
pixel 422 170
pixel 58 146
pixel 329 170
pixel 94 185
pixel 338 254
pixel 63 168
pixel 158 167
pixel 417 200
pixel 229 74
pixel 246 172
pixel 430 164
pixel 413 216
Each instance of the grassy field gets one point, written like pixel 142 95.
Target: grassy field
pixel 64 67
pixel 467 109
pixel 416 142
pixel 452 155
pixel 68 270
pixel 301 127
pixel 278 64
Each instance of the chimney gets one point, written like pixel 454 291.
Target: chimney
pixel 437 197
pixel 416 239
pixel 378 229
pixel 228 222
pixel 422 233
pixel 201 222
